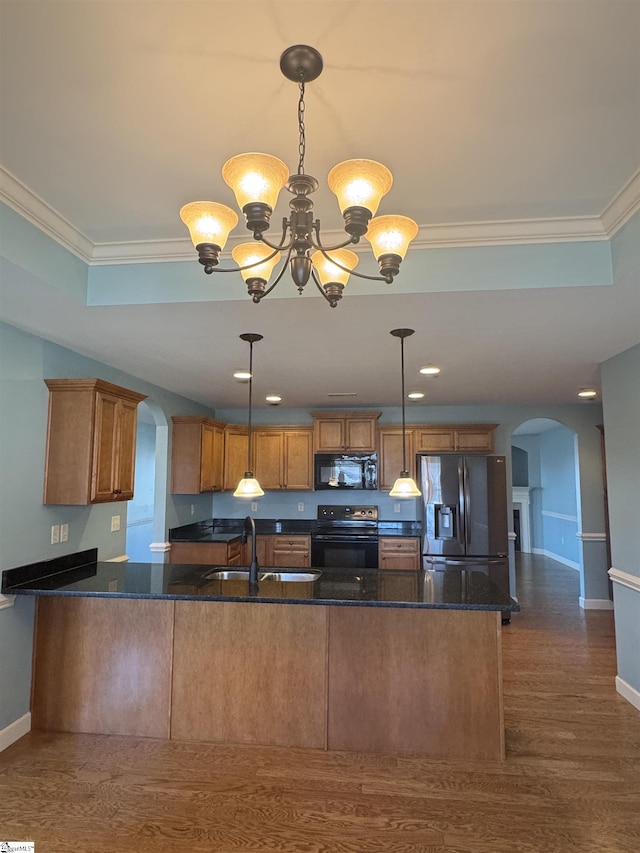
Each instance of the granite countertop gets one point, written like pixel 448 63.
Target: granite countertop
pixel 82 574
pixel 214 529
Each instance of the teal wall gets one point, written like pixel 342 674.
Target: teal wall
pixel 621 381
pixel 25 523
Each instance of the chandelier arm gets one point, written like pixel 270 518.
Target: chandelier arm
pixel 285 227
pixel 319 286
pixel 248 266
pixel 279 276
pixel 346 269
pixel 317 243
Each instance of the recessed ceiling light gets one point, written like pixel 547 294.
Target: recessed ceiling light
pixel 273 399
pixel 587 393
pixel 242 375
pixel 430 370
pixel 415 395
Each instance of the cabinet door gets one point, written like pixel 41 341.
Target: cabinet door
pixel 298 460
pixel 235 457
pixel 390 462
pixel 207 467
pixel 104 475
pixel 267 458
pixel 360 434
pixel 126 449
pixel 329 434
pixel 435 440
pixel 478 440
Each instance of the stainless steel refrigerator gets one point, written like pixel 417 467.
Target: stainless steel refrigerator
pixel 464 500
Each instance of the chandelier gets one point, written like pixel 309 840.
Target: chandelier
pixel 256 180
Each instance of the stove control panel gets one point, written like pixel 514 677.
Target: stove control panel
pixel 337 512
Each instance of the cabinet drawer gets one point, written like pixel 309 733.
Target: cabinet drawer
pixel 292 543
pixel 396 545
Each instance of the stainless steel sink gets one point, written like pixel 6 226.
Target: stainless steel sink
pixel 284 577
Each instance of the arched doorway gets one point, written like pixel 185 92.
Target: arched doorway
pixel 146 512
pixel 548 502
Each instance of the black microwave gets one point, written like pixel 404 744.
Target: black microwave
pixel 346 471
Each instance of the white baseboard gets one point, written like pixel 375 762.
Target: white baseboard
pixel 628 692
pixel 596 603
pixel 571 563
pixel 14 731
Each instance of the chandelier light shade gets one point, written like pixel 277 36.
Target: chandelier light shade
pixel 256 262
pixel 208 223
pixel 249 487
pixel 404 486
pixel 257 179
pixel 359 183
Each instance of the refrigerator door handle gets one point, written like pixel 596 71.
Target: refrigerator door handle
pixel 467 505
pixel 462 518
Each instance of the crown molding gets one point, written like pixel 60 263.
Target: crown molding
pixel 36 211
pixel 625 204
pixel 439 236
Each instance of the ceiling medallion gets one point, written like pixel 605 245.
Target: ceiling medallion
pixel 256 180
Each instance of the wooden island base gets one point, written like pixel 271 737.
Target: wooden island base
pixel 410 681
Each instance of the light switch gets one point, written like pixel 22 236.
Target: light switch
pixel 115 523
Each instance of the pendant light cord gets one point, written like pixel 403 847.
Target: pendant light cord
pixel 249 461
pixel 404 443
pixel 303 142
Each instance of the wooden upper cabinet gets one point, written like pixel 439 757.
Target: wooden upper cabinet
pixel 91 442
pixel 268 447
pixel 434 439
pixel 345 431
pixel 454 438
pixel 197 455
pixel 236 445
pixel 283 458
pixel 390 461
pixel 298 459
pixel 474 438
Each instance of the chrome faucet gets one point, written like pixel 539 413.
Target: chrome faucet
pixel 250 526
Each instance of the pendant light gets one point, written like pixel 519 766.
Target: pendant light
pixel 404 486
pixel 249 487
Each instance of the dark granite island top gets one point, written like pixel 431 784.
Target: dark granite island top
pixel 83 575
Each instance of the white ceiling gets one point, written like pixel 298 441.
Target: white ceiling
pixel 496 118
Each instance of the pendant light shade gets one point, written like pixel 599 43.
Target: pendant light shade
pixel 249 487
pixel 404 486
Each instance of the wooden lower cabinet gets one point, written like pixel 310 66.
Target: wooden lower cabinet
pixel 208 553
pixel 395 552
pixel 103 665
pixel 364 679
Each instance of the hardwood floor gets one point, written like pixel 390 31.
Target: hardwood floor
pixel 570 782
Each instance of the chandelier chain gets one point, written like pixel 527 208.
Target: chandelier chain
pixel 303 142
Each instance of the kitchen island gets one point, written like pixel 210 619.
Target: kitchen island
pixel 388 662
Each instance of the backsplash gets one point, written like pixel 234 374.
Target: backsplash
pixel 286 504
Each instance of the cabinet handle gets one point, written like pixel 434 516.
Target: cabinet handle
pixel 117 491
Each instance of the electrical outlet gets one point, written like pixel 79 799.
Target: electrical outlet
pixel 193 509
pixel 55 534
pixel 64 532
pixel 115 523
pixel 254 506
pixel 396 507
pixel 301 507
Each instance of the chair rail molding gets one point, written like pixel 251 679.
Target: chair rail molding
pixel 625 579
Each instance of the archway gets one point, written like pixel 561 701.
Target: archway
pixel 146 513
